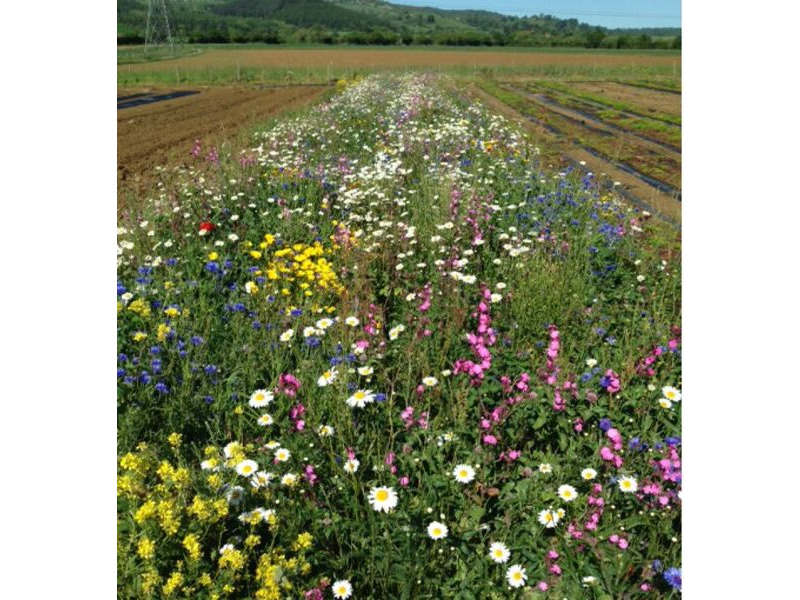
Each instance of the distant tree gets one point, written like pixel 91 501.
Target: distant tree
pixel 676 43
pixel 431 19
pixel 595 37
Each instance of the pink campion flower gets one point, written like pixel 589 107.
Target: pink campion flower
pixel 663 500
pixel 606 453
pixel 542 586
pixel 672 345
pixel 351 454
pixel 389 460
pixel 552 554
pixel 600 502
pixel 613 538
pixel 613 382
pixel 486 424
pixel 591 525
pixel 577 425
pixel 617 461
pixel 404 481
pixel 310 475
pixel 645 587
pixel 623 543
pixel 490 440
pixel 555 569
pixel 300 425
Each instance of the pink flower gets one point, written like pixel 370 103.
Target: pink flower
pixel 606 453
pixel 623 543
pixel 613 538
pixel 490 440
pixel 552 554
pixel 542 586
pixel 404 481
pixel 555 569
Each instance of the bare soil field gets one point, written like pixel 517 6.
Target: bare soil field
pixel 646 99
pixel 352 58
pixel 162 134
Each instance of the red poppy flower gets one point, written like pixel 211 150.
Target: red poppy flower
pixel 206 226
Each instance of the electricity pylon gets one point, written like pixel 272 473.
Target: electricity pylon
pixel 158 29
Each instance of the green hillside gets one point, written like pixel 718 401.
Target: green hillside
pixel 372 22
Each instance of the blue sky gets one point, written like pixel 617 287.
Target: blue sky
pixel 608 13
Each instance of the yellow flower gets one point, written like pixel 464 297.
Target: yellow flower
pixel 168 285
pixel 238 410
pixel 149 581
pixel 145 511
pixel 139 307
pixel 172 311
pixel 146 549
pixel 213 256
pixel 139 336
pixel 174 581
pixel 252 541
pixel 302 542
pixel 192 545
pixel 204 580
pixel 255 254
pixel 174 439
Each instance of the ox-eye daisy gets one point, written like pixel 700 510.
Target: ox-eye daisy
pixel 515 575
pixel 265 420
pixel 247 467
pixel 464 473
pixel 437 530
pixel 282 455
pixel 588 474
pixel 567 493
pixel 360 399
pixel 382 498
pixel 549 518
pixel 261 398
pixel 670 393
pixel 499 552
pixel 327 378
pixel 342 589
pixel 628 484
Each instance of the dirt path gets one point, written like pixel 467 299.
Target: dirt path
pixel 633 188
pixel 162 134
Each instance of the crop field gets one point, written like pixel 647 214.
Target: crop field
pixel 279 65
pixel 629 131
pixel 378 348
pixel 162 134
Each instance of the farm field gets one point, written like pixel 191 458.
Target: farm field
pixel 629 132
pixel 279 65
pixel 378 348
pixel 163 134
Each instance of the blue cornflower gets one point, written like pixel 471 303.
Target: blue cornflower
pixel 312 342
pixel 351 387
pixel 351 358
pixel 673 442
pixel 657 566
pixel 120 372
pixel 335 361
pixel 600 331
pixel 212 267
pixel 210 369
pixel 144 377
pixel 238 307
pixel 122 358
pixel 296 312
pixel 171 262
pixel 155 364
pixel 586 377
pixel 196 340
pixel 256 325
pixel 605 381
pixel 261 280
pixel 145 270
pixel 128 380
pixel 227 264
pixel 134 361
pixel 161 388
pixel 673 577
pixel 252 269
pixel 120 289
pixel 379 397
pixel 208 399
pixel 611 340
pixel 154 350
pixel 605 424
pixel 270 299
pixel 156 304
pixel 182 353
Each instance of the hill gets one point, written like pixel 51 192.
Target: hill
pixel 373 22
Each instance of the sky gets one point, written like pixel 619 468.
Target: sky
pixel 607 13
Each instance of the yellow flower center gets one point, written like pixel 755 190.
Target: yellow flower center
pixel 342 590
pixel 437 531
pixel 359 395
pixel 382 496
pixel 517 576
pixel 462 473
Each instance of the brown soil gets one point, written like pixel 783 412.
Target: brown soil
pixel 283 58
pixel 163 133
pixel 660 202
pixel 646 99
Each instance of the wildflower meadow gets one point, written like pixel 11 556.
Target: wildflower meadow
pixel 383 351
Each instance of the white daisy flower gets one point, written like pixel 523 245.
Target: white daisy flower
pixel 323 324
pixel 352 321
pixel 265 420
pixel 499 552
pixel 464 473
pixel 382 498
pixel 567 493
pixel 235 495
pixel 670 393
pixel 282 455
pixel 289 480
pixel 327 378
pixel 360 399
pixel 342 589
pixel 261 398
pixel 261 479
pixel 230 449
pixel 309 331
pixel 437 530
pixel 588 474
pixel 591 362
pixel 515 575
pixel 247 467
pixel 287 335
pixel 325 430
pixel 545 468
pixel 430 381
pixel 664 403
pixel 351 465
pixel 628 484
pixel 365 371
pixel 549 518
pixel 394 332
